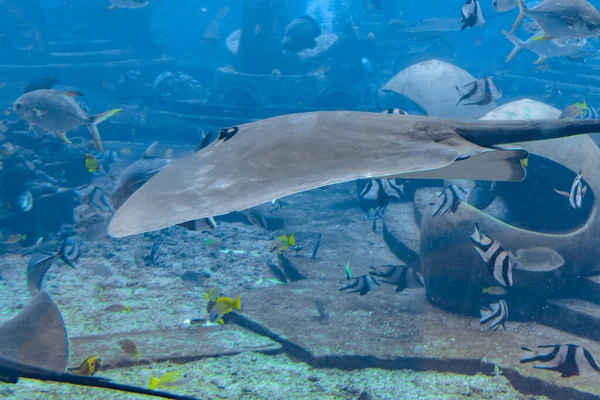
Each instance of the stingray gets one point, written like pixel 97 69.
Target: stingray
pixel 276 157
pixel 34 345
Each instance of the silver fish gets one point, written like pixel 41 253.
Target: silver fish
pixel 127 4
pixel 568 359
pixel 480 92
pixel 499 261
pixel 547 48
pixel 538 259
pixel 497 313
pixel 577 192
pixel 57 112
pixel 504 5
pixel 472 15
pixel 560 19
pixel 450 199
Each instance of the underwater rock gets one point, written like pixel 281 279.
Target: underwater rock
pixel 454 272
pixel 416 83
pixel 402 234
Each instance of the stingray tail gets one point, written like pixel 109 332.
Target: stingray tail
pixel 490 133
pixel 93 122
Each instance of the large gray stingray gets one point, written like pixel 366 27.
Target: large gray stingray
pixel 280 156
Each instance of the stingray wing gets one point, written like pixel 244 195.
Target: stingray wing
pixel 36 336
pixel 284 155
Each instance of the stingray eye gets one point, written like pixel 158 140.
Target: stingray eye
pixel 18 106
pixel 591 26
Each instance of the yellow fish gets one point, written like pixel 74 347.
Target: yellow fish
pixel 170 379
pixel 212 294
pixel 222 306
pixel 89 366
pixel 282 243
pixel 91 163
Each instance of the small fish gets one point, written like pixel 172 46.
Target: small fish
pixel 213 294
pixel 14 238
pixel 494 291
pixel 89 366
pixel 451 198
pixel 281 243
pixel 317 246
pixel 26 201
pixel 546 49
pixel 374 215
pixel 138 258
pixel 481 196
pixel 394 275
pixel 538 259
pixel 227 133
pixel 127 4
pixel 277 271
pixel 504 5
pixel 480 92
pixel 275 204
pixel 348 271
pixel 323 317
pixel 361 284
pixel 396 111
pixel 382 190
pixel 30 166
pixel 170 379
pixel 472 15
pixel 91 163
pixel 154 253
pixel 577 192
pixel 559 19
pixel 588 113
pixel 129 347
pixel 497 313
pixel 222 306
pixel 114 308
pixel 210 222
pixel 499 261
pixel 573 110
pixel 568 359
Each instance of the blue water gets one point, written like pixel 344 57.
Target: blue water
pixel 180 71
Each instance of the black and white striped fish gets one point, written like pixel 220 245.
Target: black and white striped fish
pixel 450 199
pixel 472 15
pixel 568 359
pixel 480 92
pixel 396 275
pixel 577 192
pixel 497 314
pixel 360 284
pixel 396 111
pixel 382 190
pixel 499 261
